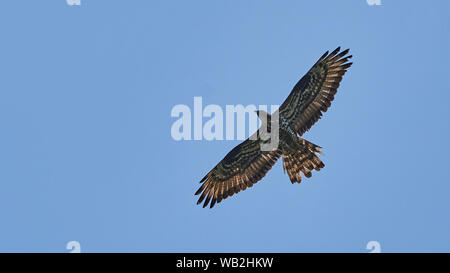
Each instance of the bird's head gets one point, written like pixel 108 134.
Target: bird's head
pixel 263 115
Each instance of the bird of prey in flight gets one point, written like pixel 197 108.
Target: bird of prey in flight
pixel 247 163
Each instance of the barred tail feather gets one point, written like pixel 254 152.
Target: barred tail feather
pixel 301 160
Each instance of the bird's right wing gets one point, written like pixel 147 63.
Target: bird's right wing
pixel 242 167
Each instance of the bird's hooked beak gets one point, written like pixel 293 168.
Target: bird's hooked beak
pixel 257 113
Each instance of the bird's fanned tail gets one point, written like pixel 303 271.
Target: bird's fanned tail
pixel 300 158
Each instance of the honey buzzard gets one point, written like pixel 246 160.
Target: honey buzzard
pixel 247 163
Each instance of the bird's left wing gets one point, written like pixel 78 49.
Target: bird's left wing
pixel 243 166
pixel 313 94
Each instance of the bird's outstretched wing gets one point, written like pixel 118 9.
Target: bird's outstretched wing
pixel 242 167
pixel 313 94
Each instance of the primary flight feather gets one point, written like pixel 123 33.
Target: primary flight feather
pixel 247 163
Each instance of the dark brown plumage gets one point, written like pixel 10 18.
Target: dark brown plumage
pixel 247 163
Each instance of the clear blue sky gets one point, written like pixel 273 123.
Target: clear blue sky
pixel 85 146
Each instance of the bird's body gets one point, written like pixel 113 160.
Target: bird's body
pixel 248 162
